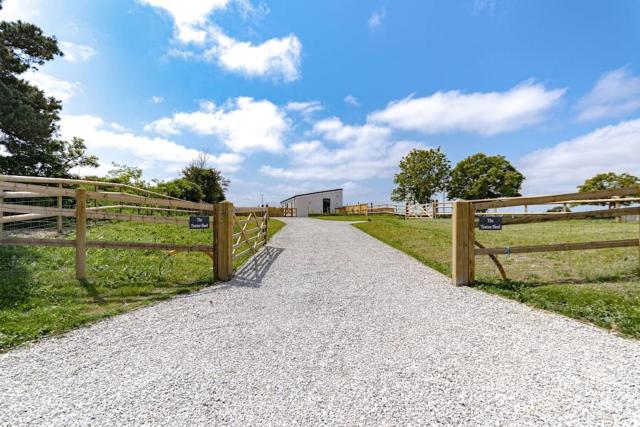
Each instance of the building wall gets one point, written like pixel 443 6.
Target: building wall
pixel 312 203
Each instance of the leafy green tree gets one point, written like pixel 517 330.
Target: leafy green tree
pixel 199 182
pixel 210 180
pixel 609 181
pixel 124 174
pixel 182 189
pixel 423 173
pixel 484 177
pixel 29 143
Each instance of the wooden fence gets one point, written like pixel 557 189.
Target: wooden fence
pixel 145 207
pixel 283 212
pixel 433 210
pixel 357 209
pixel 382 209
pixel 466 214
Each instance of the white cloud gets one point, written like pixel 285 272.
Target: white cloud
pixel 376 18
pixel 242 124
pixel 157 99
pixel 334 130
pixel 60 89
pixel 76 52
pixel 277 58
pixel 159 157
pixel 351 100
pixel 117 126
pixel 24 10
pixel 306 109
pixel 615 94
pixel 561 168
pixel 343 152
pixel 190 16
pixel 484 113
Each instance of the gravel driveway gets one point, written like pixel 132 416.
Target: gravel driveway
pixel 328 326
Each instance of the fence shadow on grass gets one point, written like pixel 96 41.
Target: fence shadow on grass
pixel 520 285
pixel 92 291
pixel 15 278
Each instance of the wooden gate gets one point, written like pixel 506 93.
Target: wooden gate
pixel 419 210
pixel 250 231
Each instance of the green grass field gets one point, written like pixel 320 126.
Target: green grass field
pixel 598 286
pixel 39 295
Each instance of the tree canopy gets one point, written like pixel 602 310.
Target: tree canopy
pixel 210 180
pixel 423 173
pixel 608 181
pixel 181 188
pixel 29 133
pixel 484 177
pixel 198 183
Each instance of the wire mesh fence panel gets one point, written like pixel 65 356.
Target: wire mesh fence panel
pixel 150 266
pixel 41 212
pixel 579 265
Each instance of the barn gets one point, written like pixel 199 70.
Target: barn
pixel 318 202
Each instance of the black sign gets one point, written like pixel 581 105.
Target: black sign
pixel 490 223
pixel 198 222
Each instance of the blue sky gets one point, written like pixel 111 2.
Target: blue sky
pixel 298 96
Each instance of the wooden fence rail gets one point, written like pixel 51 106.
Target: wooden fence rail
pixel 283 212
pixel 466 212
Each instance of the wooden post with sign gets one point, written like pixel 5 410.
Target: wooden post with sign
pixel 223 237
pixel 81 234
pixel 463 259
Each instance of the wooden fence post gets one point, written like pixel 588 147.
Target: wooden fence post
pixel 59 216
pixel 266 227
pixel 81 234
pixel 1 215
pixel 463 259
pixel 223 234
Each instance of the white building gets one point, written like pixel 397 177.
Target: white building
pixel 318 202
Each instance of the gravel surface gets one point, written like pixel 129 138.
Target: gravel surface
pixel 328 326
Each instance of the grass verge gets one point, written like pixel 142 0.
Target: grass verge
pixel 39 295
pixel 597 286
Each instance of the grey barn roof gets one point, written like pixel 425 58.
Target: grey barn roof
pixel 308 194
